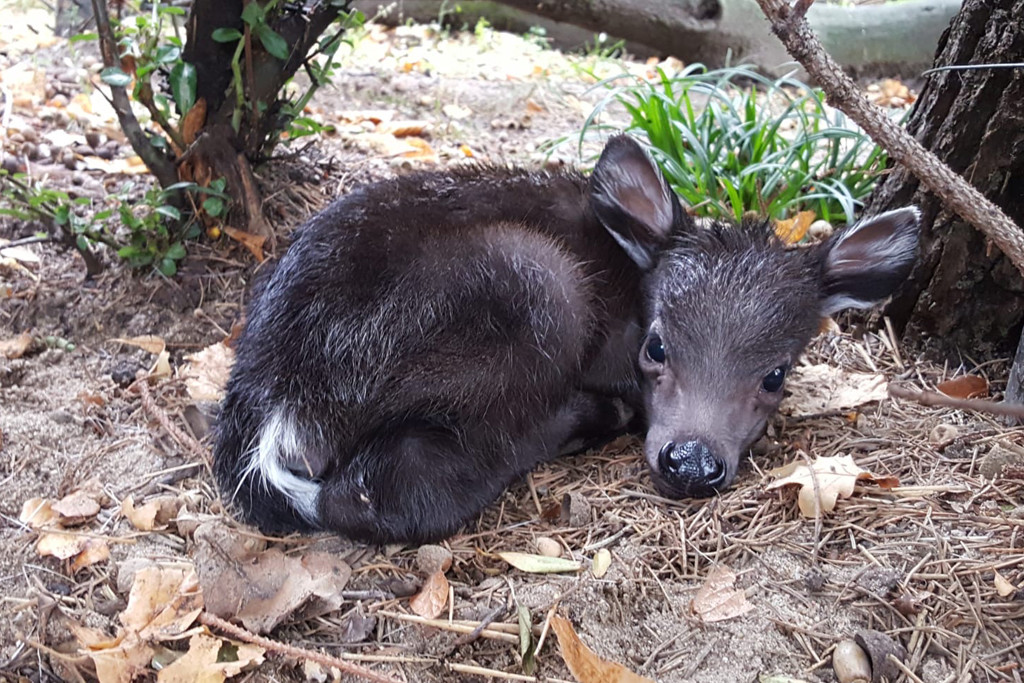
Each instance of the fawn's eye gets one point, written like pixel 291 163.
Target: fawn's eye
pixel 772 382
pixel 655 349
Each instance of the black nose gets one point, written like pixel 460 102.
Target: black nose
pixel 691 465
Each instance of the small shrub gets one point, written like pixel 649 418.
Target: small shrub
pixel 728 147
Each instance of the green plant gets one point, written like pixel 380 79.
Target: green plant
pixel 731 141
pixel 603 48
pixel 144 232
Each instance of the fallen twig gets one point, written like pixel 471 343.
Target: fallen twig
pixel 934 398
pixel 291 650
pixel 789 24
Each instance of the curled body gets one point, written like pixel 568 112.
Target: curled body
pixel 426 341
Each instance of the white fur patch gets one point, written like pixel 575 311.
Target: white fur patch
pixel 280 441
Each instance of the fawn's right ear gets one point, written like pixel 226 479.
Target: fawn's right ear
pixel 633 201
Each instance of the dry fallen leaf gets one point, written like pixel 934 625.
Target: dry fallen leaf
pixel 63 546
pixel 717 599
pixel 823 388
pixel 76 508
pixel 835 478
pixel 792 230
pixel 38 513
pixel 154 514
pixel 261 587
pixel 254 243
pixel 1003 587
pixel 202 661
pixel 432 598
pixel 583 663
pixel 965 386
pixel 95 551
pixel 403 129
pixel 540 564
pixel 164 601
pixel 15 347
pixel 206 373
pixel 155 345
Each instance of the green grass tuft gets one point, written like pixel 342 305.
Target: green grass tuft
pixel 731 141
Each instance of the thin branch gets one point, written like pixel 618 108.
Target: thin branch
pixel 156 162
pixel 959 195
pixel 934 398
pixel 292 651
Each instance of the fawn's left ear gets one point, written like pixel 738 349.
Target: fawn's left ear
pixel 868 261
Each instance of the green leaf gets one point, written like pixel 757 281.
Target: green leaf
pixel 168 211
pixel 253 14
pixel 83 36
pixel 226 35
pixel 112 75
pixel 176 252
pixel 214 206
pixel 183 86
pixel 158 141
pixel 82 243
pixel 165 54
pixel 273 42
pixel 167 266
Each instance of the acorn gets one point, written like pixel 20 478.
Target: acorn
pixel 851 663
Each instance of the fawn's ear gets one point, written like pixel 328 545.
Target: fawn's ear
pixel 868 261
pixel 633 201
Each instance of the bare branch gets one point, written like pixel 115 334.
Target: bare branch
pixel 801 42
pixel 160 165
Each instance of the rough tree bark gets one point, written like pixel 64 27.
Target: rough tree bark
pixel 894 37
pixel 965 294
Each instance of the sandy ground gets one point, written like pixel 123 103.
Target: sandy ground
pixel 927 563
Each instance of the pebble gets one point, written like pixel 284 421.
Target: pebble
pixel 67 158
pixel 433 558
pixel 820 230
pixel 548 547
pixel 29 134
pixel 94 138
pixel 44 151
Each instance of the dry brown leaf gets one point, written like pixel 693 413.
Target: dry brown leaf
pixel 206 373
pixel 124 663
pixel 194 121
pixel 432 598
pixel 164 601
pixel 254 243
pixel 835 477
pixel 816 389
pixel 201 663
pixel 583 663
pixel 15 347
pixel 422 151
pixel 38 513
pixel 63 546
pixel 261 587
pixel 133 165
pixel 717 599
pixel 965 386
pixel 147 342
pixel 96 550
pixel 374 116
pixel 1003 587
pixel 153 514
pixel 76 508
pixel 404 129
pixel 792 230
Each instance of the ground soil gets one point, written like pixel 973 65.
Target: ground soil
pixel 918 562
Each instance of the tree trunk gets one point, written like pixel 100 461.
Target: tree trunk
pixel 892 38
pixel 965 294
pixel 229 139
